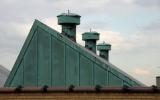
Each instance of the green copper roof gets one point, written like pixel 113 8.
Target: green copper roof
pixel 68 18
pixel 69 14
pixel 104 46
pixel 90 35
pixel 50 58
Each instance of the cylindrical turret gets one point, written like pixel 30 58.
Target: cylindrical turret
pixel 90 39
pixel 104 50
pixel 69 22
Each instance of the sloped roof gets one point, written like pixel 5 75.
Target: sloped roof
pixel 84 56
pixel 3 75
pixel 4 70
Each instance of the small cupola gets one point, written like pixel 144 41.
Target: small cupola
pixel 69 22
pixel 90 39
pixel 104 50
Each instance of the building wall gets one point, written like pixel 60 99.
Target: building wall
pixel 80 96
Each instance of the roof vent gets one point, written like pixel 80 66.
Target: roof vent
pixel 90 39
pixel 104 50
pixel 158 81
pixel 69 22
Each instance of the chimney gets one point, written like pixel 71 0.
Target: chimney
pixel 69 22
pixel 158 81
pixel 90 39
pixel 104 50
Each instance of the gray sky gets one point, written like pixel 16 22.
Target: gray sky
pixel 131 26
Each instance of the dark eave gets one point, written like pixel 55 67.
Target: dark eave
pixel 72 89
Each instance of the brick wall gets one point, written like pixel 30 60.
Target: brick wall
pixel 80 96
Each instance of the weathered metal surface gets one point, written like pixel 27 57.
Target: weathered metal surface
pixel 104 50
pixel 86 71
pixel 49 58
pixel 58 62
pixel 68 18
pixel 100 75
pixel 44 58
pixel 114 80
pixel 69 22
pixel 90 36
pixel 90 39
pixel 103 46
pixel 18 78
pixel 30 63
pixel 72 66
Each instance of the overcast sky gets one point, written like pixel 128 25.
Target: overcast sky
pixel 131 26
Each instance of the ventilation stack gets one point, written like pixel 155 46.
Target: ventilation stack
pixel 69 22
pixel 104 50
pixel 158 81
pixel 90 39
